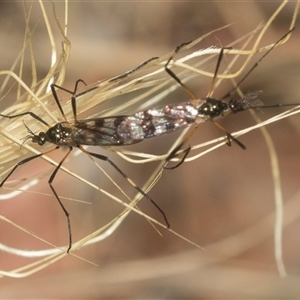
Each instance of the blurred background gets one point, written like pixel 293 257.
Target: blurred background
pixel 223 201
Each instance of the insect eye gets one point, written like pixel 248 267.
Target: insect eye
pixel 41 138
pixel 235 106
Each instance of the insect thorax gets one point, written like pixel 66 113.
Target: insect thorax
pixel 212 108
pixel 60 134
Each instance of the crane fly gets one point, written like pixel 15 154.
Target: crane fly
pixel 130 129
pixel 90 132
pixel 210 109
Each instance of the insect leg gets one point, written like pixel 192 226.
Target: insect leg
pixel 174 154
pixel 187 151
pixel 177 148
pixel 33 115
pixel 229 136
pixel 135 69
pixel 58 199
pixel 49 182
pixel 149 198
pixel 24 161
pixel 257 63
pixel 172 74
pixel 212 84
pixel 73 99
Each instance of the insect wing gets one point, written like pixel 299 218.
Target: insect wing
pixel 102 132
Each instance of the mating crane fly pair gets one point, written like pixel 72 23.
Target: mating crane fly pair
pixel 131 129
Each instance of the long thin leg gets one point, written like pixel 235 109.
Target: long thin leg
pixel 172 74
pixel 58 199
pixel 33 115
pixel 174 154
pixel 24 161
pixel 229 136
pixel 212 84
pixel 73 99
pixel 256 64
pixel 124 75
pixel 185 87
pixel 187 151
pixel 149 198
